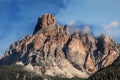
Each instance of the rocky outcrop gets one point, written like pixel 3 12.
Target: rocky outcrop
pixel 76 51
pixel 108 50
pixel 44 21
pixel 53 51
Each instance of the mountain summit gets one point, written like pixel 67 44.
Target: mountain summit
pixel 44 21
pixel 52 50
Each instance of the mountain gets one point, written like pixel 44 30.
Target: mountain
pixel 53 51
pixel 111 72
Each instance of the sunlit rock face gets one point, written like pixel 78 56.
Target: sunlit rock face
pixel 53 51
pixel 44 21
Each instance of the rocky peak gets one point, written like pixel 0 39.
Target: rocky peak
pixel 53 50
pixel 44 21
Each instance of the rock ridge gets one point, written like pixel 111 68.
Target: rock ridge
pixel 52 50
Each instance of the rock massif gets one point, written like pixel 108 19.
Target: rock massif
pixel 53 51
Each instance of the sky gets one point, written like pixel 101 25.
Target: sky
pixel 19 17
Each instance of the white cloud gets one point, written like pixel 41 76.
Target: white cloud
pixel 73 26
pixel 86 29
pixel 72 22
pixel 76 27
pixel 111 25
pixel 112 29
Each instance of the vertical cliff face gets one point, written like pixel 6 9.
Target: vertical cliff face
pixel 52 50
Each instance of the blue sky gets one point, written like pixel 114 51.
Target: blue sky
pixel 18 17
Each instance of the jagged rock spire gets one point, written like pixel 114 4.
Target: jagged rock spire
pixel 43 21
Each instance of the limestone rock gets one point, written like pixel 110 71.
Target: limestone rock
pixel 108 50
pixel 44 21
pixel 90 64
pixel 53 51
pixel 76 52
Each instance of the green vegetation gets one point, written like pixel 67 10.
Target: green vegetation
pixel 59 78
pixel 15 72
pixel 111 72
